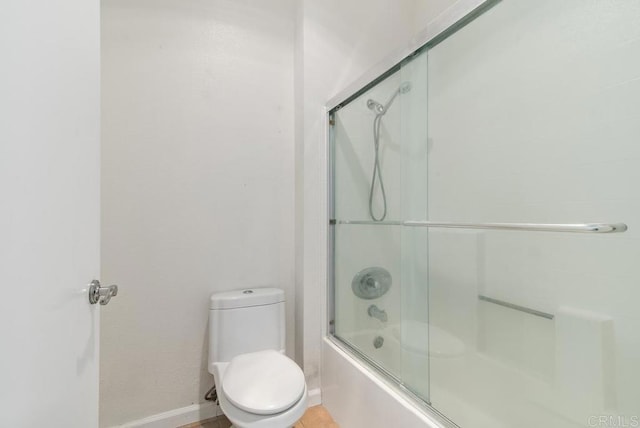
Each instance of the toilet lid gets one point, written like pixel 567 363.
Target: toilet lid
pixel 264 382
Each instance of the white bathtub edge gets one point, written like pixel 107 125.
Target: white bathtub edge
pixel 358 398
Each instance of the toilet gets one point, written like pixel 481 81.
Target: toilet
pixel 258 386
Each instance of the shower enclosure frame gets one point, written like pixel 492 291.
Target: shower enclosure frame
pixel 450 21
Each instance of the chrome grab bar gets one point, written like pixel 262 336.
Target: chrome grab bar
pixel 532 227
pixel 516 307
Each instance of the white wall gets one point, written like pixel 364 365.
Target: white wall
pixel 198 129
pixel 198 184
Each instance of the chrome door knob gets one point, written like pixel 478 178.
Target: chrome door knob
pixel 100 294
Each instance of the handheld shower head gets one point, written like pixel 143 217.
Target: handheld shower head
pixel 375 106
pixel 380 109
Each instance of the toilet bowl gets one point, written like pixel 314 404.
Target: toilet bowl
pixel 261 389
pixel 257 385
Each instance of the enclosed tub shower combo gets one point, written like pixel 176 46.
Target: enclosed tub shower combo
pixel 483 194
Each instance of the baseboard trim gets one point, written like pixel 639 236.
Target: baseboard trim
pixel 195 413
pixel 314 397
pixel 177 417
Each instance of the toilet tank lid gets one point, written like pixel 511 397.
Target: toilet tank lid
pixel 246 297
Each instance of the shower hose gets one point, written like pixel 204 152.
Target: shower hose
pixel 377 171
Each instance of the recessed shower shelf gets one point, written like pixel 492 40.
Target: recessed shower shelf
pixel 529 227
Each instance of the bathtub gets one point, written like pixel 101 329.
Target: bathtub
pixel 360 395
pixel 464 383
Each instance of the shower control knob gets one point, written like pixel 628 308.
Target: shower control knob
pixel 371 283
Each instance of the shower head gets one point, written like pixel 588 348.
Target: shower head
pixel 375 106
pixel 380 109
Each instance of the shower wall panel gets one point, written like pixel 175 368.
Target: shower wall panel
pixel 534 118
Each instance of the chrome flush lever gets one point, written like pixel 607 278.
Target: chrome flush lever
pixel 100 294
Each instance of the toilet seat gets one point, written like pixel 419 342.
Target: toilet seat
pixel 263 383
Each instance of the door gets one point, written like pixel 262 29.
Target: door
pixel 49 212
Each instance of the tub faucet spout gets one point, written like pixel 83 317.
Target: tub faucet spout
pixel 378 313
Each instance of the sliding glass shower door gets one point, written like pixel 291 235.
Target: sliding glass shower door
pixel 481 192
pixel 379 165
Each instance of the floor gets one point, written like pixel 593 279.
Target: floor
pixel 314 417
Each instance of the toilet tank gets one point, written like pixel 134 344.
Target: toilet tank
pixel 243 321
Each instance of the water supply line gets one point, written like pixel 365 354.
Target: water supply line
pixel 212 395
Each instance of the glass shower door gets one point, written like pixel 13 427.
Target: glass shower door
pixel 379 180
pixel 534 117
